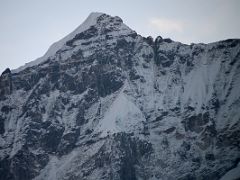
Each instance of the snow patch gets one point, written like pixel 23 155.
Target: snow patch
pixel 122 116
pixel 232 174
pixel 199 84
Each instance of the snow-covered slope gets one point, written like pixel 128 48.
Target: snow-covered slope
pixel 122 116
pixel 107 103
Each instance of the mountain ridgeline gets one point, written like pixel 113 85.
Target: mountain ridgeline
pixel 106 103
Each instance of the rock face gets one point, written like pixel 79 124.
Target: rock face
pixel 106 103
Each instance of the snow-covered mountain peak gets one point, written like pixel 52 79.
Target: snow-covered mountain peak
pixel 96 20
pixel 93 16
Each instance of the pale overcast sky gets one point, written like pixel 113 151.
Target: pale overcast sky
pixel 29 27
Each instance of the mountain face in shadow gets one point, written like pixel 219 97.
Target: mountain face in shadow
pixel 106 103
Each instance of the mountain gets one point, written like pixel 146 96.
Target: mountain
pixel 106 103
